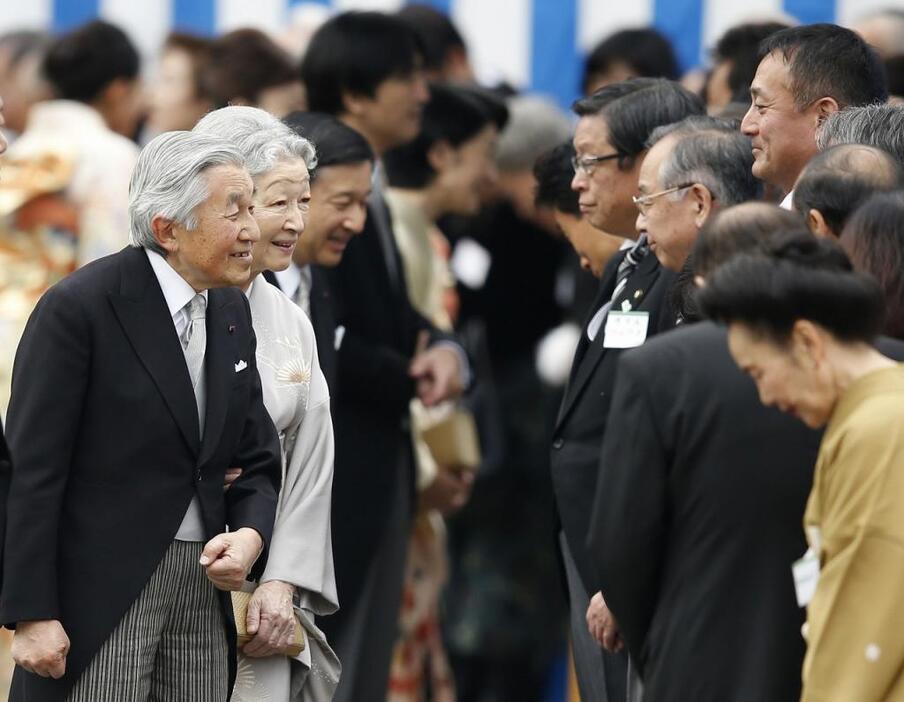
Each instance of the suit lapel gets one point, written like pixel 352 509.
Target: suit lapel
pixel 141 309
pixel 635 291
pixel 220 358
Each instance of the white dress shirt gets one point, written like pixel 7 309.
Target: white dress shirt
pixel 295 282
pixel 178 293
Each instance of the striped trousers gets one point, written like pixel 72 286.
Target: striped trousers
pixel 169 646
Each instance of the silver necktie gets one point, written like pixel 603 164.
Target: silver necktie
pixel 195 345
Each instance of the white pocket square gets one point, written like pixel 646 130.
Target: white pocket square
pixel 240 366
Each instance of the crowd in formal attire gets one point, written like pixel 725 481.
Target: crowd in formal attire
pixel 330 374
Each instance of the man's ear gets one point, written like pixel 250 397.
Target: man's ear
pixel 703 203
pixel 164 233
pixel 440 155
pixel 825 107
pixel 354 105
pixel 817 224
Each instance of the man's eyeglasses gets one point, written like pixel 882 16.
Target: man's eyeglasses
pixel 643 202
pixel 585 164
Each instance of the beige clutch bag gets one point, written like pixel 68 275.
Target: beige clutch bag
pixel 240 602
pixel 453 440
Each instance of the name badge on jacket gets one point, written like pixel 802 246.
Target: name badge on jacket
pixel 625 330
pixel 806 576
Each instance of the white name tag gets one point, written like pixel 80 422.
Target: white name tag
pixel 806 577
pixel 625 330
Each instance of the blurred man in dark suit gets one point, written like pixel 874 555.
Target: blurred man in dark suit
pixel 365 69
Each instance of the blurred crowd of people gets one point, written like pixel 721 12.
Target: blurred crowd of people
pixel 329 373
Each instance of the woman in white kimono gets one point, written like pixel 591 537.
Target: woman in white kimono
pixel 299 568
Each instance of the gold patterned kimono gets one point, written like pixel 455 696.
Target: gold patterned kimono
pixel 855 523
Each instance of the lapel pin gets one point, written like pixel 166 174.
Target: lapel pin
pixel 230 328
pixel 637 293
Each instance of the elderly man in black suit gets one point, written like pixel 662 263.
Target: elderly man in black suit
pixel 135 387
pixel 610 144
pixel 698 509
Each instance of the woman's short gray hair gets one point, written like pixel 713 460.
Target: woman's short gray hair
pixel 262 138
pixel 168 180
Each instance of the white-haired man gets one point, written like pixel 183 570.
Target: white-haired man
pixel 134 390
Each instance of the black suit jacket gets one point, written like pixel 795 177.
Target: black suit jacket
pixel 104 425
pixel 697 519
pixel 371 417
pixel 585 405
pixel 324 323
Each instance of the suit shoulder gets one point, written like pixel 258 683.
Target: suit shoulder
pixel 92 279
pixel 700 341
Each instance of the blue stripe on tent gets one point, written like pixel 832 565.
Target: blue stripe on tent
pixel 682 22
pixel 555 60
pixel 195 16
pixel 441 5
pixel 810 11
pixel 71 13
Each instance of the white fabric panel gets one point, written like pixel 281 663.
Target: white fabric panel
pixel 849 11
pixel 266 15
pixel 145 21
pixel 721 16
pixel 498 35
pixel 31 14
pixel 597 19
pixel 378 5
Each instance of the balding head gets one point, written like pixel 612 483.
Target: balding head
pixel 838 180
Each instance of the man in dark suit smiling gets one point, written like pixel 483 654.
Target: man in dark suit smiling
pixel 135 388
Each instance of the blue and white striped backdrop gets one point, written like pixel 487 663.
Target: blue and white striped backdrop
pixel 534 44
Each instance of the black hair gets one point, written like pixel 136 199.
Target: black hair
pixel 840 179
pixel 633 108
pixel 336 143
pixel 894 72
pixel 436 32
pixel 645 51
pixel 451 115
pixel 826 60
pixel 799 277
pixel 874 239
pixel 242 64
pixel 352 53
pixel 553 172
pixel 81 64
pixel 740 45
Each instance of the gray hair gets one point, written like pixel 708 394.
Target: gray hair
pixel 535 126
pixel 692 125
pixel 169 180
pixel 717 159
pixel 881 126
pixel 262 138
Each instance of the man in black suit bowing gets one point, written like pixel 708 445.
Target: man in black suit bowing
pixel 135 387
pixel 697 517
pixel 365 69
pixel 610 144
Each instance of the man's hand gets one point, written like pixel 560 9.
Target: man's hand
pixel 228 557
pixel 602 625
pixel 449 492
pixel 438 372
pixel 41 647
pixel 271 619
pixel 232 475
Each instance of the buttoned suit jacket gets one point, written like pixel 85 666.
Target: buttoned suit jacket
pixel 697 520
pixel 104 422
pixel 581 422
